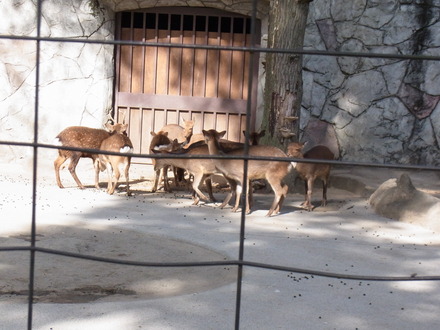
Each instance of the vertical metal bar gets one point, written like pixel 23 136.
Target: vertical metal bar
pixel 117 66
pixel 130 88
pixel 144 50
pixel 245 176
pixel 34 171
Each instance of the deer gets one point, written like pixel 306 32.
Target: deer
pixel 84 138
pixel 273 171
pixel 254 137
pixel 119 142
pixel 78 137
pixel 199 169
pixel 309 172
pixel 160 140
pixel 183 135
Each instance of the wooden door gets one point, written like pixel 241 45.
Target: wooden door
pixel 157 85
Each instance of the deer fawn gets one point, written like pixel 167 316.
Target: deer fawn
pixel 119 142
pixel 78 137
pixel 309 172
pixel 273 171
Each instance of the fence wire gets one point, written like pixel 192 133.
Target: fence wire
pixel 240 262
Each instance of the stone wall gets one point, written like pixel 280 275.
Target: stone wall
pixel 75 79
pixel 380 110
pixel 365 109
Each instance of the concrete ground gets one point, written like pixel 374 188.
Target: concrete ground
pixel 345 237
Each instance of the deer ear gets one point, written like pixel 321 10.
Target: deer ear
pixel 152 133
pixel 263 132
pixel 221 134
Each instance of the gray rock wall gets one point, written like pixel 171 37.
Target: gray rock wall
pixel 380 110
pixel 75 79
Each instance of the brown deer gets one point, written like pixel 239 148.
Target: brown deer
pixel 254 137
pixel 78 137
pixel 159 140
pixel 183 135
pixel 309 172
pixel 200 169
pixel 119 142
pixel 273 171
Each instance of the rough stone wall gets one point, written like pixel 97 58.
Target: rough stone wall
pixel 380 110
pixel 76 79
pixel 243 7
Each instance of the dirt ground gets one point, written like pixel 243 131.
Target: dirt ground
pixel 92 223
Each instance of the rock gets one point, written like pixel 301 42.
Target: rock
pixel 398 199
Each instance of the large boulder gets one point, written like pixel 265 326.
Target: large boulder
pixel 398 199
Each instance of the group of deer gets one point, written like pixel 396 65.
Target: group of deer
pixel 180 141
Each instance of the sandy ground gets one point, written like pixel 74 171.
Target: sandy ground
pixel 345 237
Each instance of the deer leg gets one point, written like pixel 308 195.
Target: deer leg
pixel 306 187
pixel 57 164
pixel 324 192
pixel 156 179
pixel 72 166
pixel 231 193
pixel 285 188
pixel 96 165
pixel 109 176
pixel 126 173
pixel 208 184
pixel 166 185
pixel 115 178
pixel 248 197
pixel 198 177
pixel 279 192
pixel 308 204
pixel 238 190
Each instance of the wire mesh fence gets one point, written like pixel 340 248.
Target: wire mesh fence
pixel 241 261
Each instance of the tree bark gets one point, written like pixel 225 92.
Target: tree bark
pixel 283 90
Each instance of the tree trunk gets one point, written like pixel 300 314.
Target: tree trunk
pixel 283 90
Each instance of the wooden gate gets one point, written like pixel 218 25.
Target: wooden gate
pixel 156 86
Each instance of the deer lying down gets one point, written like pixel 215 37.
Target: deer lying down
pixel 78 137
pixel 309 172
pixel 118 141
pixel 273 171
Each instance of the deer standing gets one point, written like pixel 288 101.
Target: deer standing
pixel 78 137
pixel 159 140
pixel 183 135
pixel 273 171
pixel 309 172
pixel 119 142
